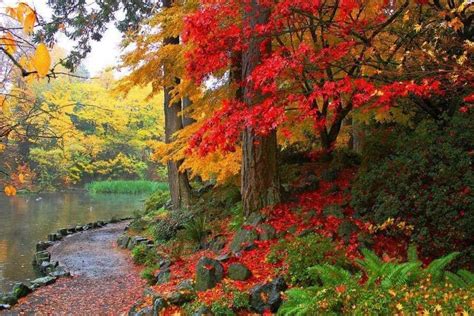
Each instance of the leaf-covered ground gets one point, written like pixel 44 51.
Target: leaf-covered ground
pixel 104 281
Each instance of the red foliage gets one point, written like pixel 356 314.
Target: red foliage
pixel 297 74
pixel 282 217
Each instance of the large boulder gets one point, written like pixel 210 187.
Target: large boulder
pixel 266 231
pixel 180 297
pixel 163 276
pixel 254 219
pixel 217 243
pixel 209 272
pixel 264 297
pixel 243 239
pixel 239 272
pixel 123 241
pixel 21 290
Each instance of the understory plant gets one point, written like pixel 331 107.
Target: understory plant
pixel 304 252
pixel 143 254
pixel 383 288
pixel 423 177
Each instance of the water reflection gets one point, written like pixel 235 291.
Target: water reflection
pixel 26 219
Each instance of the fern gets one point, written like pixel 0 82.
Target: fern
pixel 400 274
pixel 436 267
pixel 298 303
pixel 461 279
pixel 331 275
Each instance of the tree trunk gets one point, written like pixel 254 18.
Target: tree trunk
pixel 180 189
pixel 260 182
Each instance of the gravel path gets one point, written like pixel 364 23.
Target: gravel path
pixel 104 280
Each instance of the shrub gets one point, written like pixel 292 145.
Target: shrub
pixel 169 224
pixel 426 180
pixel 142 254
pixel 149 275
pixel 196 230
pixel 304 252
pixel 157 200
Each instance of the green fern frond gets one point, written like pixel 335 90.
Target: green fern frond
pixel 455 280
pixel 331 275
pixel 436 267
pixel 298 303
pixel 467 276
pixel 461 279
pixel 400 274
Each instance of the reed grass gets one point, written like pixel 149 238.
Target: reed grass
pixel 126 186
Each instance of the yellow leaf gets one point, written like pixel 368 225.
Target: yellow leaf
pixel 8 42
pixel 10 190
pixel 41 60
pixel 20 11
pixel 21 178
pixel 29 22
pixel 11 12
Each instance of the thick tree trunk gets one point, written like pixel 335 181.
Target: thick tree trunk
pixel 260 182
pixel 180 189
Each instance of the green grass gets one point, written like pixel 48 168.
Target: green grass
pixel 126 186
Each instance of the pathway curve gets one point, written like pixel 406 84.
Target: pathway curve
pixel 104 280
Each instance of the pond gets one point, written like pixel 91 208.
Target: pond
pixel 27 219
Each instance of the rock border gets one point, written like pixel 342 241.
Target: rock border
pixel 49 270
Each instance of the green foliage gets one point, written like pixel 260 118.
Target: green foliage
pixel 157 200
pixel 304 252
pixel 49 166
pixel 238 218
pixel 423 177
pixel 461 279
pixel 142 254
pixel 240 300
pixel 126 186
pixel 388 288
pixel 196 230
pixel 358 300
pixel 331 275
pixel 168 224
pixel 221 307
pixel 149 275
pixel 383 274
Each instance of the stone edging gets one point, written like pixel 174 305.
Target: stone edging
pixel 50 270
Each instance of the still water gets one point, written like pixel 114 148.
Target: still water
pixel 27 219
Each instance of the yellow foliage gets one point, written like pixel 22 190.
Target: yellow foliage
pixel 8 42
pixel 9 190
pixel 41 60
